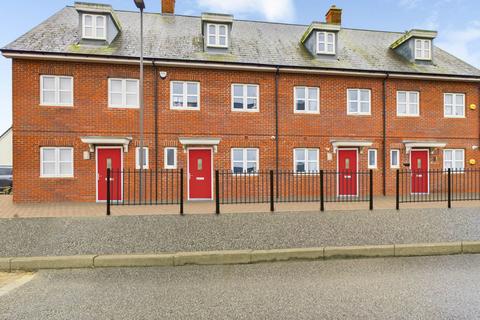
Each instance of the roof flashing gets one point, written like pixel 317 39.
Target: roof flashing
pixel 217 17
pixel 414 33
pixel 319 26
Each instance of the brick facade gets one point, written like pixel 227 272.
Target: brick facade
pixel 36 126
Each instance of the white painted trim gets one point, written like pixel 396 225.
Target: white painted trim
pixel 306 160
pixel 305 88
pixel 408 103
pixel 398 159
pixel 165 156
pixel 337 144
pixel 57 163
pixel 94 26
pixel 200 141
pixel 432 77
pixel 137 158
pixel 245 161
pixel 92 141
pixel 422 41
pixel 217 35
pixel 326 33
pixel 375 157
pixel 454 170
pixel 428 173
pixel 56 91
pixel 359 113
pixel 185 95
pixel 338 172
pixel 453 105
pixel 123 105
pixel 96 171
pixel 409 145
pixel 245 97
pixel 188 173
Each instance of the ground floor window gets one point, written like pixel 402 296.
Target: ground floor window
pixel 244 160
pixel 145 158
pixel 454 159
pixel 395 158
pixel 170 158
pixel 372 158
pixel 56 162
pixel 305 160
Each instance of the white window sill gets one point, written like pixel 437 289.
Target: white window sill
pixel 306 112
pixel 217 46
pixel 454 117
pixel 325 52
pixel 359 114
pixel 245 110
pixel 170 168
pixel 184 108
pixel 94 38
pixel 124 107
pixel 57 177
pixel 56 105
pixel 408 115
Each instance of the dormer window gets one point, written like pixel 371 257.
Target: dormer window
pixel 94 27
pixel 325 42
pixel 217 35
pixel 423 49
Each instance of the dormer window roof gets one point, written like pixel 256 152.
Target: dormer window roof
pixel 94 26
pixel 217 35
pixel 423 49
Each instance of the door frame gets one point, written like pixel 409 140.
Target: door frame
pixel 96 170
pixel 338 172
pixel 428 169
pixel 188 172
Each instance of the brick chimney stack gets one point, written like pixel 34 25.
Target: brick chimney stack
pixel 334 15
pixel 168 6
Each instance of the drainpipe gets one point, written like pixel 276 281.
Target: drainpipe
pixel 155 111
pixel 277 78
pixel 384 116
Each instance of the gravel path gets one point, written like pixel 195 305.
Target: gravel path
pixel 154 234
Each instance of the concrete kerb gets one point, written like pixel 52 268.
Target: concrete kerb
pixel 237 256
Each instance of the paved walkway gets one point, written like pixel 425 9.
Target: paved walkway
pixel 8 209
pixel 168 233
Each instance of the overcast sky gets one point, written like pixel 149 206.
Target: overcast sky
pixel 458 22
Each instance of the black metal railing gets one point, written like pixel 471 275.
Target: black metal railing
pixel 289 186
pixel 437 186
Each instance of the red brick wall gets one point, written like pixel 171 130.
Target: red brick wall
pixel 35 126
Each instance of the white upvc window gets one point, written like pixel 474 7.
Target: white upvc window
pixel 123 93
pixel 372 158
pixel 56 91
pixel 305 160
pixel 217 35
pixel 245 160
pixel 325 42
pixel 170 158
pixel 454 159
pixel 306 100
pixel 145 158
pixel 56 162
pixel 245 97
pixel 94 27
pixel 454 105
pixel 408 103
pixel 184 95
pixel 395 158
pixel 423 49
pixel 359 101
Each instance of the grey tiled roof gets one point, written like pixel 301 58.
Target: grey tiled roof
pixel 180 38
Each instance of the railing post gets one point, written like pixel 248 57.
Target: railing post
pixel 371 189
pixel 108 191
pixel 397 191
pixel 322 200
pixel 181 191
pixel 217 192
pixel 449 188
pixel 272 205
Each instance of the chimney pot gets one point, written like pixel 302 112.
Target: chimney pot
pixel 334 15
pixel 168 6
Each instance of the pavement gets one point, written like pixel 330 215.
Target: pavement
pixel 446 287
pixel 168 233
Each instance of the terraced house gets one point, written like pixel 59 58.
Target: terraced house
pixel 222 93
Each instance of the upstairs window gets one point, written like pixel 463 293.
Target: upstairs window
pixel 306 100
pixel 56 91
pixel 407 103
pixel 325 42
pixel 94 27
pixel 423 49
pixel 454 105
pixel 217 35
pixel 244 160
pixel 245 97
pixel 454 159
pixel 185 95
pixel 123 93
pixel 56 162
pixel 359 102
pixel 305 160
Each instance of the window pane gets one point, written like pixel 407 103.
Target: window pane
pixel 299 154
pixel 238 90
pixel 177 88
pixel 300 166
pixel 321 47
pixel 222 30
pixel 65 84
pixel 238 103
pixel 300 105
pixel 353 107
pixel 459 155
pixel 116 85
pixel 65 97
pixel 371 158
pixel 312 105
pixel 131 100
pixel 66 168
pixel 413 97
pixel 48 83
pixel 88 20
pixel 211 29
pixel 251 166
pixel 394 159
pixel 364 95
pixel 448 99
pixel 312 155
pixel 251 103
pixel 48 168
pixel 251 155
pixel 312 166
pixel 402 97
pixel 178 101
pixel 252 91
pixel 237 155
pixel 48 155
pixel 330 47
pixel 192 88
pixel 352 95
pixel 330 37
pixel 170 157
pixel 131 86
pixel 321 36
pixel 459 99
pixel 223 41
pixel 312 93
pixel 211 39
pixel 459 110
pixel 414 108
pixel 365 107
pixel 300 93
pixel 192 101
pixel 116 98
pixel 448 155
pixel 238 167
pixel 49 97
pixel 100 21
pixel 402 108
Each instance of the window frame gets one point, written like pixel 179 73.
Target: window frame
pixel 57 174
pixel 375 166
pixel 137 158
pixel 454 95
pixel 358 101
pixel 94 26
pixel 245 97
pixel 185 95
pixel 217 35
pixel 408 103
pixel 453 161
pixel 165 158
pixel 57 91
pixel 326 42
pixel 245 161
pixel 307 160
pixel 422 49
pixel 123 105
pixel 306 89
pixel 397 166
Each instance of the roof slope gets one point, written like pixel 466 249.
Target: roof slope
pixel 179 38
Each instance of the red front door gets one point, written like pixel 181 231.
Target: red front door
pixel 419 166
pixel 347 172
pixel 200 174
pixel 109 158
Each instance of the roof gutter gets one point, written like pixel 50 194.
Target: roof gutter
pixel 234 66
